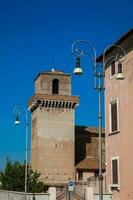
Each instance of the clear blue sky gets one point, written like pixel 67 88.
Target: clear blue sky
pixel 36 35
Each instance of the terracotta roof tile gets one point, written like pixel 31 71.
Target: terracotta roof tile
pixel 89 164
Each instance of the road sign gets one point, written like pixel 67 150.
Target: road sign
pixel 70 185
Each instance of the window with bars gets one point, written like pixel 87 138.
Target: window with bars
pixel 115 170
pixel 114 116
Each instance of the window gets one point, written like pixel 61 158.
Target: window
pixel 119 67
pixel 115 170
pixel 80 176
pixel 114 116
pixel 113 71
pixel 116 67
pixel 55 86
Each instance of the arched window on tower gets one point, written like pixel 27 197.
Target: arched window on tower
pixel 55 86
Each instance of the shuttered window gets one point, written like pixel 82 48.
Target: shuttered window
pixel 113 68
pixel 115 171
pixel 114 117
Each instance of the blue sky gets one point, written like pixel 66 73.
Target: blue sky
pixel 36 35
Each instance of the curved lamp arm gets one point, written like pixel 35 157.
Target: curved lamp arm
pixel 78 52
pixel 81 52
pixel 18 111
pixel 120 56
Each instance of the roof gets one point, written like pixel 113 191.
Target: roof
pixel 118 42
pixel 88 163
pixel 52 72
pixel 88 130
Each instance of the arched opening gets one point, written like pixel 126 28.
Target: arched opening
pixel 55 86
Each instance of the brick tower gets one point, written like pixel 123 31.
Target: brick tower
pixel 52 141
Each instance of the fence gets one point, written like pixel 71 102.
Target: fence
pixel 61 194
pixel 105 197
pixel 80 192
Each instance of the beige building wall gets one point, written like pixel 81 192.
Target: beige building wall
pixel 52 150
pixel 120 144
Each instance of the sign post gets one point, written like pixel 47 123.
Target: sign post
pixel 70 188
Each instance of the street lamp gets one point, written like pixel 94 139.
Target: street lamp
pixel 99 73
pixel 18 112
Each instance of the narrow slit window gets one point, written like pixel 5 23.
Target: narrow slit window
pixel 119 67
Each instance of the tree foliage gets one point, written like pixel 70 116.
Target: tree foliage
pixel 13 178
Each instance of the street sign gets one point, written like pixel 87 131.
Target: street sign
pixel 70 185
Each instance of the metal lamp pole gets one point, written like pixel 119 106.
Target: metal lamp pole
pixel 99 74
pixel 18 112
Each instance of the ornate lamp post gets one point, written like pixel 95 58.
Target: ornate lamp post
pixel 79 51
pixel 18 111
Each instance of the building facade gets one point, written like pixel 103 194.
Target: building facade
pixel 53 127
pixel 86 156
pixel 60 150
pixel 119 123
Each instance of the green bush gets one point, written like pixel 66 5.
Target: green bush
pixel 13 178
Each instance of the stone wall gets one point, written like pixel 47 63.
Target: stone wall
pixel 12 195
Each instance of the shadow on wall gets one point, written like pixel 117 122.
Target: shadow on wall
pixel 86 143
